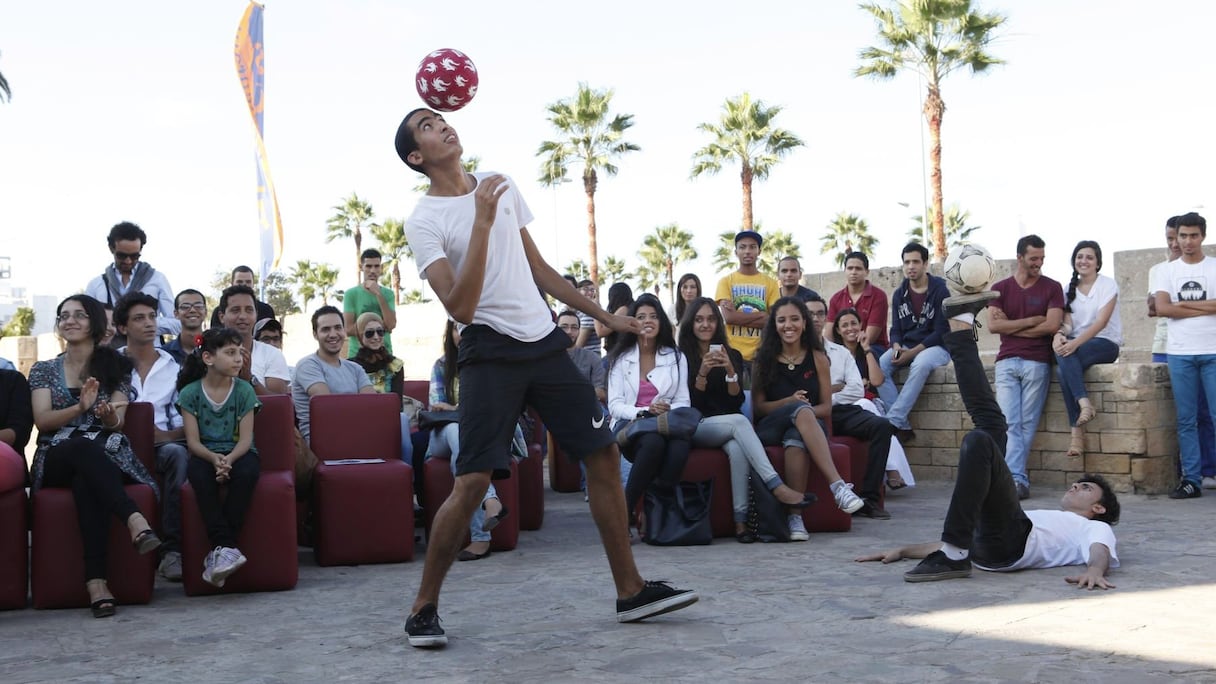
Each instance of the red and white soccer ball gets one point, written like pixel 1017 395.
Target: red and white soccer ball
pixel 446 80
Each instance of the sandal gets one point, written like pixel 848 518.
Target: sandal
pixel 146 541
pixel 897 482
pixel 104 607
pixel 492 521
pixel 1076 447
pixel 1087 414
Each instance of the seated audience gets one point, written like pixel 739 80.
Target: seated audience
pixel 264 366
pixel 687 289
pixel 588 338
pixel 868 301
pixel 325 371
pixel 445 443
pixel 713 379
pixel 1091 333
pixel 385 371
pixel 789 277
pixel 79 399
pixel 243 275
pixel 620 298
pixel 791 394
pixel 190 307
pixel 16 413
pixel 588 362
pixel 154 380
pixel 647 376
pixel 848 333
pixel 218 412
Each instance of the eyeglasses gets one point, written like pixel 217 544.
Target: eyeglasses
pixel 197 306
pixel 819 314
pixel 370 333
pixel 69 315
pixel 124 256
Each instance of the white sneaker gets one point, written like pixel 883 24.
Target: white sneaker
pixel 797 529
pixel 209 564
pixel 846 500
pixel 1209 482
pixel 229 560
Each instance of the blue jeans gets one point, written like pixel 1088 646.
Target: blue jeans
pixel 445 443
pixel 900 402
pixel 1192 377
pixel 1021 390
pixel 1207 431
pixel 172 460
pixel 1070 370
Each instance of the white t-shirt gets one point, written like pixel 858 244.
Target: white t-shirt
pixel 1194 283
pixel 1161 332
pixel 1061 538
pixel 268 362
pixel 844 372
pixel 441 227
pixel 1085 310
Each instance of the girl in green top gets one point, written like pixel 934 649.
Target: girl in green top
pixel 218 410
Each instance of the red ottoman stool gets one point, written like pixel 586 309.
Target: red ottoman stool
pixel 564 474
pixel 14 531
pixel 823 515
pixel 437 486
pixel 532 489
pixel 712 464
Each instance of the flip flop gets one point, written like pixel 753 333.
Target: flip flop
pixel 492 521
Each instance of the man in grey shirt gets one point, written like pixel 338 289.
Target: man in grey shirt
pixel 326 372
pixel 588 362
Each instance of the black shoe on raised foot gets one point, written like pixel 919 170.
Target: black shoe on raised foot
pixel 423 630
pixel 873 510
pixel 937 566
pixel 1186 490
pixel 968 303
pixel 654 599
pixel 1023 490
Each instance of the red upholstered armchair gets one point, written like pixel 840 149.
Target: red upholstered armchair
pixel 363 513
pixel 14 531
pixel 57 573
pixel 268 538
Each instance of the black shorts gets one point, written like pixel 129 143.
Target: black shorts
pixel 500 376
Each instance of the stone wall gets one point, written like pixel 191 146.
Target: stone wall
pixel 1133 441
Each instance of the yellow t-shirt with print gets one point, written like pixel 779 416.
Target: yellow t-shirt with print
pixel 749 293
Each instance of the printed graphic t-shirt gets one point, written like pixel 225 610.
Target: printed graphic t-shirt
pixel 749 293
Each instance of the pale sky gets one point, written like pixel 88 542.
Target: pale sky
pixel 1096 128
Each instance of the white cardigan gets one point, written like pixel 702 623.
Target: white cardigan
pixel 670 378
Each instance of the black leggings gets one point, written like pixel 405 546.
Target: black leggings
pixel 656 459
pixel 96 483
pixel 224 519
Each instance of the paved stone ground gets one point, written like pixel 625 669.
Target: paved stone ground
pixel 545 612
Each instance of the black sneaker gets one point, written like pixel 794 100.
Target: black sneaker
pixel 873 510
pixel 423 628
pixel 937 566
pixel 1186 490
pixel 968 303
pixel 654 599
pixel 1023 490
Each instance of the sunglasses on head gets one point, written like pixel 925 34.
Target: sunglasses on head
pixel 373 332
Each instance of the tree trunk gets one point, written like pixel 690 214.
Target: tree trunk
pixel 746 176
pixel 671 283
pixel 934 109
pixel 593 264
pixel 358 251
pixel 396 279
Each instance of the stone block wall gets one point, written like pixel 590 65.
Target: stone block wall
pixel 1133 441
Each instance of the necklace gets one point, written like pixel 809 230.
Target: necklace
pixel 791 362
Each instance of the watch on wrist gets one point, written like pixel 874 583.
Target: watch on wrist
pixel 733 378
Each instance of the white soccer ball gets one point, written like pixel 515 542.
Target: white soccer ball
pixel 968 269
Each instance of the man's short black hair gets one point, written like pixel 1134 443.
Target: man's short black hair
pixel 1029 241
pixel 816 297
pixel 584 283
pixel 324 311
pixel 126 231
pixel 1172 222
pixel 405 142
pixel 865 260
pixel 1193 219
pixel 370 253
pixel 122 309
pixel 1109 501
pixel 232 291
pixel 242 269
pixel 177 301
pixel 915 247
pixel 567 312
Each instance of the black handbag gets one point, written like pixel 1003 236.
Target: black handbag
pixel 429 420
pixel 766 516
pixel 679 515
pixel 678 422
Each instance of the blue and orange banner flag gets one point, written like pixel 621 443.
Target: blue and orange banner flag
pixel 249 54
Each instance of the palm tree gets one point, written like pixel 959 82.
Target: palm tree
pixel 648 277
pixel 776 245
pixel 663 249
pixel 588 137
pixel 394 247
pixel 954 226
pixel 724 253
pixel 847 233
pixel 302 276
pixel 348 222
pixel 745 133
pixel 470 165
pixel 614 270
pixel 325 279
pixel 578 269
pixel 933 38
pixel 415 296
pixel 6 93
